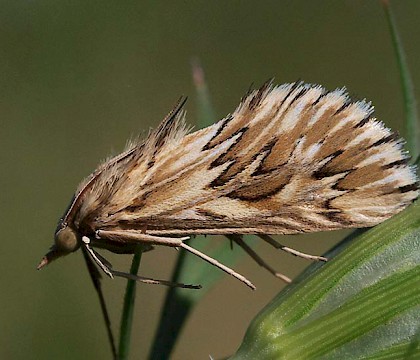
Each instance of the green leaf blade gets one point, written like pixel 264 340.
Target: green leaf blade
pixel 363 302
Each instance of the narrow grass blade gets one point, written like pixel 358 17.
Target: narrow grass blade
pixel 128 309
pixel 95 276
pixel 412 132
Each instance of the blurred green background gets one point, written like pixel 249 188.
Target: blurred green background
pixel 78 78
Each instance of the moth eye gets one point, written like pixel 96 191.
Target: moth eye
pixel 67 240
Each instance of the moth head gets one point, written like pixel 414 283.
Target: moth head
pixel 66 241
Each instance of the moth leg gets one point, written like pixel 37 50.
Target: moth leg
pixel 98 259
pixel 238 239
pixel 294 252
pixel 136 237
pixel 214 262
pixel 171 242
pixel 106 267
pixel 147 280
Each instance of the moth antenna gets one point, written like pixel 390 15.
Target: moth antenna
pixel 95 276
pixel 239 240
pixel 277 245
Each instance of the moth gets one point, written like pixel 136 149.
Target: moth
pixel 290 159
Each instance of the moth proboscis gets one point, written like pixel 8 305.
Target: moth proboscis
pixel 291 158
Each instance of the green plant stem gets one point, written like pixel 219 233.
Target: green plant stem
pixel 128 309
pixel 175 311
pixel 412 132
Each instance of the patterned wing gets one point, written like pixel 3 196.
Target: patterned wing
pixel 292 158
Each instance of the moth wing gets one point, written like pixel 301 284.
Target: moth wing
pixel 291 158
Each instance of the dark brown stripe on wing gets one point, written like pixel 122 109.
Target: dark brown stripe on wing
pixel 211 143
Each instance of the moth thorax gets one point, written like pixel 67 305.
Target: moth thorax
pixel 66 240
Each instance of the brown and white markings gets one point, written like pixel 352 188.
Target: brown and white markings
pixel 291 158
